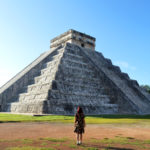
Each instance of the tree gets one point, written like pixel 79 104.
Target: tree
pixel 146 87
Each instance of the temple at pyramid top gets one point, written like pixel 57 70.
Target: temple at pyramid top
pixel 75 37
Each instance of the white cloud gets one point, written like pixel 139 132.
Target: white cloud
pixel 125 65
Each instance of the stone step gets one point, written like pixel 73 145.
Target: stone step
pixel 25 107
pixel 50 64
pixel 21 96
pixel 87 109
pixel 49 70
pixel 80 88
pixel 30 101
pixel 81 102
pixel 73 72
pixel 35 92
pixel 78 70
pixel 81 83
pixel 54 60
pixel 57 52
pixel 78 64
pixel 44 79
pixel 72 76
pixel 74 57
pixel 77 78
pixel 54 57
pixel 33 96
pixel 37 87
pixel 66 60
pixel 58 94
pixel 59 55
pixel 38 91
pixel 73 51
pixel 80 80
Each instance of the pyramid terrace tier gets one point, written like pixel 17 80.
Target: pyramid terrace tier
pixel 44 78
pixel 56 94
pixel 80 102
pixel 78 82
pixel 33 96
pixel 75 72
pixel 77 58
pixel 85 88
pixel 88 109
pixel 28 107
pixel 76 64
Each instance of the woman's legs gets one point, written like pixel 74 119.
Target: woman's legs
pixel 77 138
pixel 80 138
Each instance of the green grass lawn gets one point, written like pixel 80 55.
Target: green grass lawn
pixel 116 143
pixel 100 119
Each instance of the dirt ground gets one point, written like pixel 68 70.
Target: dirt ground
pixel 36 130
pixel 58 130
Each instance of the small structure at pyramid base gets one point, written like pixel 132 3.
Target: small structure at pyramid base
pixel 73 74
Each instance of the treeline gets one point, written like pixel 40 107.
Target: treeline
pixel 146 87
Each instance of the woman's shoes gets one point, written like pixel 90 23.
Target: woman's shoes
pixel 79 142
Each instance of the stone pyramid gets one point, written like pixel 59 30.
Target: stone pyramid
pixel 69 75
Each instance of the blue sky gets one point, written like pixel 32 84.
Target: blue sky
pixel 121 28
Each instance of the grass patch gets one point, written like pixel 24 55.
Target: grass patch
pixel 117 140
pixel 26 141
pixel 44 144
pixel 2 140
pixel 73 146
pixel 100 119
pixel 93 144
pixel 122 141
pixel 55 144
pixel 29 118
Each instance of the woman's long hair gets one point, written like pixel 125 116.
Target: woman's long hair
pixel 79 111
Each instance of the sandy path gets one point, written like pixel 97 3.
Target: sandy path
pixel 57 130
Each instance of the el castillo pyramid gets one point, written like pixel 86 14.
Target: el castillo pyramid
pixel 69 75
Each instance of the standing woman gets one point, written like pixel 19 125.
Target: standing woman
pixel 79 125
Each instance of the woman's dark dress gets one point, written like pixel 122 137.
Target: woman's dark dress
pixel 79 123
